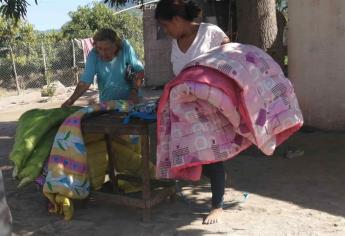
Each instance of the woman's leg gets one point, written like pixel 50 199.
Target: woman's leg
pixel 216 173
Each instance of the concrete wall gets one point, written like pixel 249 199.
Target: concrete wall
pixel 316 49
pixel 157 52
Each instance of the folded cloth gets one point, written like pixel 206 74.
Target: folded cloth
pixel 35 134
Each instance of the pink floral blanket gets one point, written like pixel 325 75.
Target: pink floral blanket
pixel 221 103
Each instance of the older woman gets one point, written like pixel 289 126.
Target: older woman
pixel 109 60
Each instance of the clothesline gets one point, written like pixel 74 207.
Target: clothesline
pixel 137 6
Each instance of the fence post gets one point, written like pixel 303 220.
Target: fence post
pixel 44 64
pixel 75 69
pixel 14 70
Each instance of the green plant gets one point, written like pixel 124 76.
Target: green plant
pixel 48 90
pixel 85 21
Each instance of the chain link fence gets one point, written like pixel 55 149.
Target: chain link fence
pixel 24 66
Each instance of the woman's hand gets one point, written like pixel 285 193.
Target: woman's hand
pixel 133 96
pixel 81 88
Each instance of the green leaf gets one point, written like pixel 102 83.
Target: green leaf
pixel 84 183
pixel 50 187
pixel 67 135
pixel 60 146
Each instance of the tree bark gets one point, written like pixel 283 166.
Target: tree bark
pixel 257 25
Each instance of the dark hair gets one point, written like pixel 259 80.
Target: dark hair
pixel 107 34
pixel 167 9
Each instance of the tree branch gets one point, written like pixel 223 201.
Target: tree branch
pixel 16 9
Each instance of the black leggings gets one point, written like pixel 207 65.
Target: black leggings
pixel 216 173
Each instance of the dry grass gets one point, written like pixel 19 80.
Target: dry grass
pixel 6 92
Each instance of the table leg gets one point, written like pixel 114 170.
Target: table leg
pixel 112 162
pixel 146 177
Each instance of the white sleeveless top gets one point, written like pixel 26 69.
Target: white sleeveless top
pixel 208 37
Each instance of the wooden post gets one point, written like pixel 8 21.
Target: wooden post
pixel 111 162
pixel 14 70
pixel 145 152
pixel 73 51
pixel 75 69
pixel 44 64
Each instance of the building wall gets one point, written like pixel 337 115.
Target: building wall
pixel 157 52
pixel 316 49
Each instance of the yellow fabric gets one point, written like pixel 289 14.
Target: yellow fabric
pixel 128 161
pixel 62 205
pixel 97 159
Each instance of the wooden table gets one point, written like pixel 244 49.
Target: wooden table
pixel 111 125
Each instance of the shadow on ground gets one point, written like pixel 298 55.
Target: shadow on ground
pixel 314 180
pixel 30 215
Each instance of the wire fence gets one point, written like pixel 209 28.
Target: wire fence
pixel 24 66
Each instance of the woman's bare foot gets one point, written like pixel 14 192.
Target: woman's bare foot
pixel 214 216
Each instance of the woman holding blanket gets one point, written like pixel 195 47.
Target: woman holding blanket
pixel 190 40
pixel 109 60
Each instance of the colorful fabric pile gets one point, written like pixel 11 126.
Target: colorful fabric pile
pixel 75 163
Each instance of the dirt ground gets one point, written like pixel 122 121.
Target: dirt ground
pixel 302 195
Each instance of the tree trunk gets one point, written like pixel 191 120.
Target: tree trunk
pixel 257 25
pixel 279 47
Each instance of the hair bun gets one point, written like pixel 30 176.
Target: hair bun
pixel 192 10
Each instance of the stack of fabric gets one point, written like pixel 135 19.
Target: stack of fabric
pixel 75 163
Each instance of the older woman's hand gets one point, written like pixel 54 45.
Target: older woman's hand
pixel 67 103
pixel 133 96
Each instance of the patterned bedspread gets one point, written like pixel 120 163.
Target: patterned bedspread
pixel 220 104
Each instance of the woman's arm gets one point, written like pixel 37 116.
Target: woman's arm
pixel 138 67
pixel 138 80
pixel 86 79
pixel 81 88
